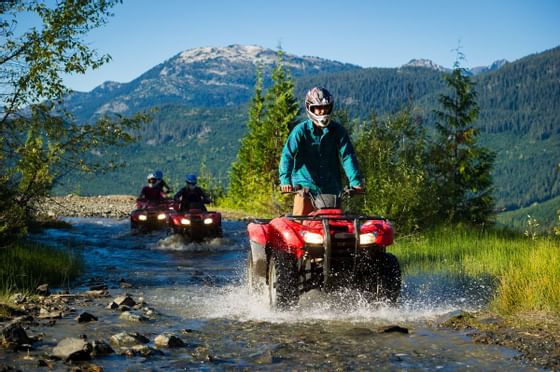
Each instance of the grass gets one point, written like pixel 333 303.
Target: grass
pixel 25 265
pixel 527 271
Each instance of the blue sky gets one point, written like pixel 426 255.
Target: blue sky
pixel 369 33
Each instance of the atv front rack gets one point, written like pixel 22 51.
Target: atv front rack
pixel 327 242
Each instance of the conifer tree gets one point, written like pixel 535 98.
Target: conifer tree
pixel 254 174
pixel 461 167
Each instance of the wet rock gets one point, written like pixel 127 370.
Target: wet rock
pixel 43 290
pixel 112 306
pixel 133 317
pixel 72 348
pixel 123 308
pixel 46 314
pixel 97 293
pixel 128 339
pixel 86 317
pixel 124 300
pixel 124 284
pixel 14 336
pixel 393 329
pixel 168 340
pixel 141 350
pixel 101 347
pixel 98 287
pixel 18 298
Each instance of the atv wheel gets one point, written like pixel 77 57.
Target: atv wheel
pixel 282 282
pixel 389 279
pixel 383 282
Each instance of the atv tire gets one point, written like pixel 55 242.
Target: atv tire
pixel 282 281
pixel 383 281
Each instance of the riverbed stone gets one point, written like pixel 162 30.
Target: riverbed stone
pixel 72 348
pixel 393 329
pixel 47 314
pixel 141 350
pixel 133 316
pixel 43 290
pixel 128 339
pixel 18 298
pixel 85 317
pixel 14 336
pixel 124 300
pixel 168 340
pixel 101 347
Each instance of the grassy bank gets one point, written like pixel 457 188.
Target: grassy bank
pixel 23 266
pixel 527 271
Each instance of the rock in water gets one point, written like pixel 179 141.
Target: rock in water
pixel 72 348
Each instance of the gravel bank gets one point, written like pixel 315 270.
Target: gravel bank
pixel 110 206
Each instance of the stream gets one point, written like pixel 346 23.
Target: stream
pixel 200 294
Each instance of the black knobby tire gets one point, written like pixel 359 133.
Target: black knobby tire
pixel 389 278
pixel 282 281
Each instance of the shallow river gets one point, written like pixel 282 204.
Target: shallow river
pixel 200 294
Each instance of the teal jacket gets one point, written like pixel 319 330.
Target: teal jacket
pixel 312 157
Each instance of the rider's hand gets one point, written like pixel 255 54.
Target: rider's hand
pixel 286 188
pixel 358 189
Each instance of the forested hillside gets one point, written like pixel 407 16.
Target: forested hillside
pixel 519 117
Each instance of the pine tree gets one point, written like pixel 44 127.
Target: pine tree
pixel 461 167
pixel 254 174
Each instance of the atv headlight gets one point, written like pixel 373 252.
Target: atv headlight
pixel 368 238
pixel 161 216
pixel 185 221
pixel 312 238
pixel 208 221
pixel 142 217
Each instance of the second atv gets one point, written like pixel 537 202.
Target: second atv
pixel 327 250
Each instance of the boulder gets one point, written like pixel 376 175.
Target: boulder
pixel 14 335
pixel 168 340
pixel 133 316
pixel 72 348
pixel 43 290
pixel 101 347
pixel 86 317
pixel 128 339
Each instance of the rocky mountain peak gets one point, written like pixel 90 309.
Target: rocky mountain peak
pixel 232 53
pixel 427 63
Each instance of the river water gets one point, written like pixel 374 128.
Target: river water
pixel 200 294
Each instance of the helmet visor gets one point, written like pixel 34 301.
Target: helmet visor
pixel 320 109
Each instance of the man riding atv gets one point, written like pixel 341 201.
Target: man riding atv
pixel 313 152
pixel 150 192
pixel 192 196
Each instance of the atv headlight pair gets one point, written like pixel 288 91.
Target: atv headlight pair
pixel 311 237
pixel 368 238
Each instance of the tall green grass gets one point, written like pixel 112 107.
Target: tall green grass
pixel 527 271
pixel 24 265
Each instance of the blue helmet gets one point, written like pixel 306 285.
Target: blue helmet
pixel 158 174
pixel 190 178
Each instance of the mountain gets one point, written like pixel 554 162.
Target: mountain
pixel 203 95
pixel 427 63
pixel 201 77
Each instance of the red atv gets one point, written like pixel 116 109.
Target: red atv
pixel 151 215
pixel 326 250
pixel 197 224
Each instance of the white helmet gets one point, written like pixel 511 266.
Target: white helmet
pixel 319 97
